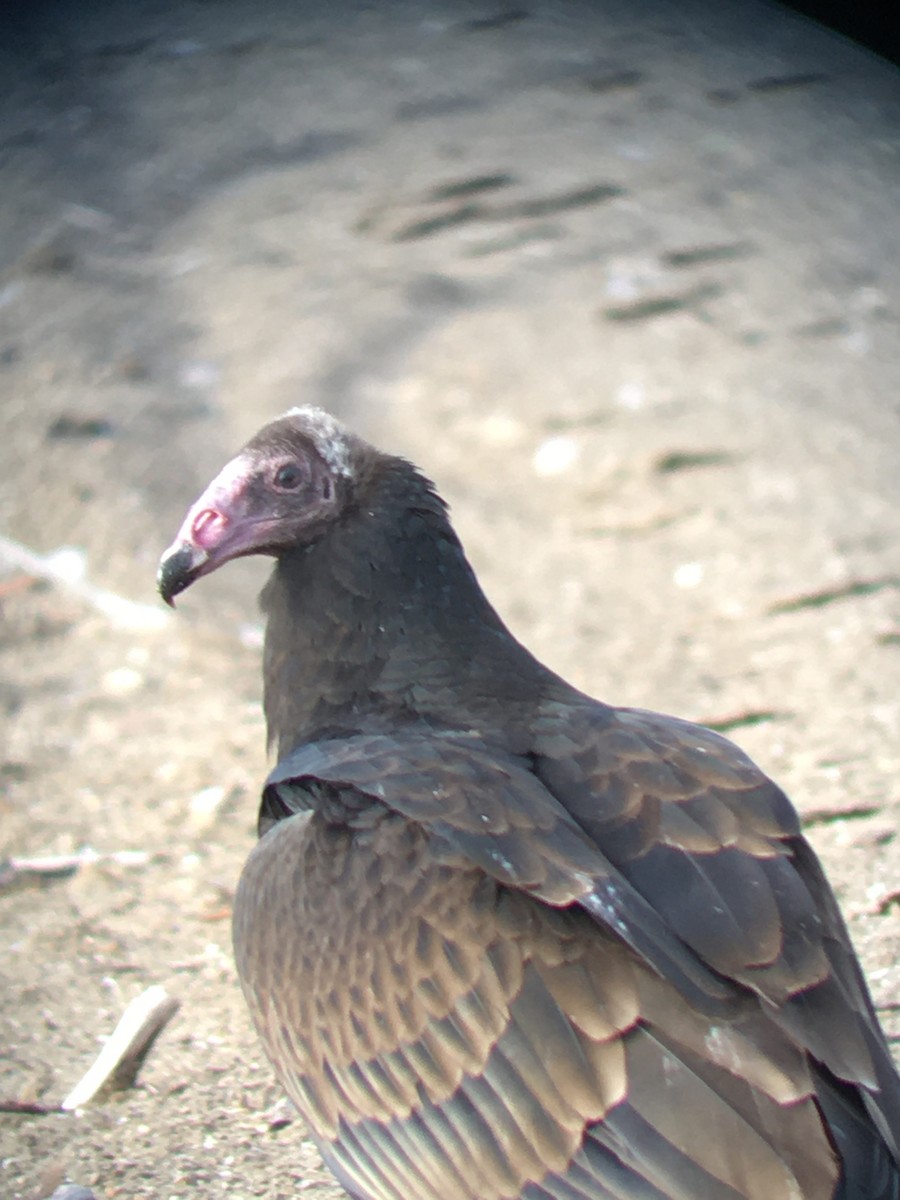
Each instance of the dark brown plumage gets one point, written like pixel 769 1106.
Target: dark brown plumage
pixel 501 940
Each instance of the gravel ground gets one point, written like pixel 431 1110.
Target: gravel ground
pixel 617 276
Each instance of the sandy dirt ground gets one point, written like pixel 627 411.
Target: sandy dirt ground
pixel 622 277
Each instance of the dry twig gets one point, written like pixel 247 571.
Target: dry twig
pixel 121 1058
pixel 66 569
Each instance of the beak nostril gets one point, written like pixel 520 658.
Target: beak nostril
pixel 208 526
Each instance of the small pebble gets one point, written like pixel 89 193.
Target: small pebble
pixel 630 396
pixel 555 456
pixel 208 800
pixel 251 635
pixel 688 575
pixel 121 681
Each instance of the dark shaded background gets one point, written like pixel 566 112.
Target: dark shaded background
pixel 876 26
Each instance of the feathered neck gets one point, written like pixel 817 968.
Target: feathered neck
pixel 383 620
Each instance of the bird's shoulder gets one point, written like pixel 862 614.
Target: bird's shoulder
pixel 663 830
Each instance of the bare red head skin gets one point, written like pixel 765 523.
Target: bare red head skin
pixel 282 488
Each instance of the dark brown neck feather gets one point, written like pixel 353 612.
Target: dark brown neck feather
pixel 383 620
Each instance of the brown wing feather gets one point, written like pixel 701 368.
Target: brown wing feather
pixel 469 1043
pixel 744 892
pixel 470 1000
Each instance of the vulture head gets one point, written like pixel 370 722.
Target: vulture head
pixel 284 488
pixel 372 604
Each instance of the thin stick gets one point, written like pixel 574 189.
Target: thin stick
pixel 65 568
pixel 121 1058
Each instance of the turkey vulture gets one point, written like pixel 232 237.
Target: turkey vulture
pixel 502 940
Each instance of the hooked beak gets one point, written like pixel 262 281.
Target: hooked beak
pixel 217 528
pixel 181 564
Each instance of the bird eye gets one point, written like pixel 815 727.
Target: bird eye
pixel 288 477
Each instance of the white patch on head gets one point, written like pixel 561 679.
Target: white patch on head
pixel 329 435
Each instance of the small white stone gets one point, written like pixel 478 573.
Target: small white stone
pixel 688 575
pixel 555 456
pixel 630 396
pixel 122 681
pixel 167 772
pixel 251 635
pixel 208 800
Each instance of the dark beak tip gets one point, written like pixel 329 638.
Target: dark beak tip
pixel 177 571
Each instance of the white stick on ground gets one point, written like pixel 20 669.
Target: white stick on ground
pixel 18 872
pixel 66 567
pixel 121 1058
